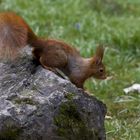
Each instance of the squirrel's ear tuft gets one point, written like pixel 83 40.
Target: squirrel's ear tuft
pixel 100 52
pixel 98 55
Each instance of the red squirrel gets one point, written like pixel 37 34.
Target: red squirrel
pixel 15 33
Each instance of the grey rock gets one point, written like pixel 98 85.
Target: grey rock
pixel 36 104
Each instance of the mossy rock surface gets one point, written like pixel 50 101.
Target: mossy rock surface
pixel 71 125
pixel 36 104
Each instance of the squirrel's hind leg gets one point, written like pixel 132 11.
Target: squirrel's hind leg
pixel 56 59
pixel 53 64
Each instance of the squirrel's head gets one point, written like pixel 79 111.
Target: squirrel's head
pixel 97 66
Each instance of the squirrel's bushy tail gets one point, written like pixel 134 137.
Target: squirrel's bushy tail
pixel 12 38
pixel 14 34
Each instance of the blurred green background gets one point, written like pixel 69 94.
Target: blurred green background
pixel 84 24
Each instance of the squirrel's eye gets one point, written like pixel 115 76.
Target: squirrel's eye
pixel 101 70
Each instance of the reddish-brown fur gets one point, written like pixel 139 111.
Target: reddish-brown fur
pixel 57 54
pixel 15 34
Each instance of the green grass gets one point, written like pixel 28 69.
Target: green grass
pixel 84 24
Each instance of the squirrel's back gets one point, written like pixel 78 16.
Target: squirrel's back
pixel 14 34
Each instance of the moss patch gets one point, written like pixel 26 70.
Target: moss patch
pixel 24 101
pixel 69 96
pixel 70 125
pixel 10 133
